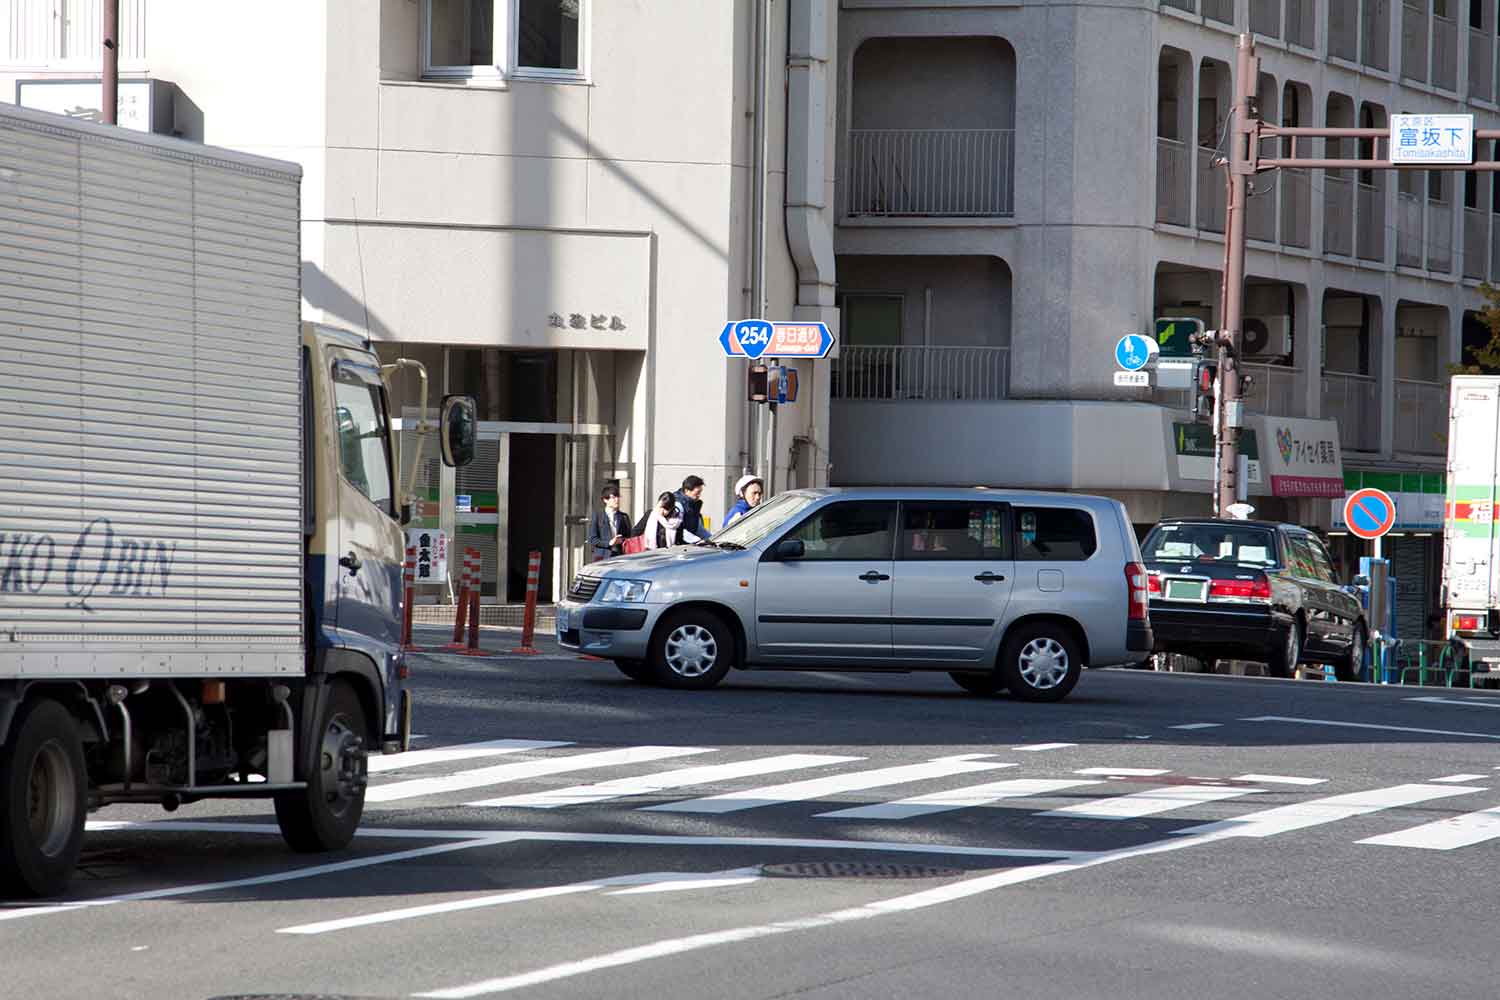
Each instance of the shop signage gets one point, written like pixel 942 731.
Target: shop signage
pixel 432 554
pixel 135 100
pixel 1418 496
pixel 1195 452
pixel 1304 458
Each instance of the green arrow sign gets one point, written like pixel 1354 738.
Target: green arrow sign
pixel 1172 333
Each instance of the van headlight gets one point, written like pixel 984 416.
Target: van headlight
pixel 625 591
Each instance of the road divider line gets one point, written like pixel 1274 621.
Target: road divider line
pixel 1198 725
pixel 521 770
pixel 1370 725
pixel 959 798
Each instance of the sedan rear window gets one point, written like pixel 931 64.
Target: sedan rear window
pixel 1242 545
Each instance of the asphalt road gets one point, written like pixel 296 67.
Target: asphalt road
pixel 565 832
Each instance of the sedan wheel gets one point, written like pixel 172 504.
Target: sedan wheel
pixel 1040 662
pixel 1349 669
pixel 693 650
pixel 1283 661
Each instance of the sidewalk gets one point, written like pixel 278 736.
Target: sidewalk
pixel 497 640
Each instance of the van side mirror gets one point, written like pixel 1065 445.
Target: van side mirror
pixel 459 430
pixel 790 548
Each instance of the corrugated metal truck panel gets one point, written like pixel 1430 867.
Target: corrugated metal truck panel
pixel 150 469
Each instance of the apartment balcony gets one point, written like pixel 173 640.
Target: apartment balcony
pixel 1300 23
pixel 1273 390
pixel 1439 237
pixel 1371 236
pixel 1421 417
pixel 930 173
pixel 1338 216
pixel 1296 207
pixel 1408 229
pixel 1265 19
pixel 1211 192
pixel 1354 402
pixel 1414 41
pixel 1476 242
pixel 1481 65
pixel 916 372
pixel 1219 10
pixel 1343 31
pixel 1174 172
pixel 1444 53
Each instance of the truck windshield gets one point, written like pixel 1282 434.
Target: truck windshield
pixel 763 520
pixel 1238 544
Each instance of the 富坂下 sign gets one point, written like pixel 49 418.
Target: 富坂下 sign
pixel 1432 138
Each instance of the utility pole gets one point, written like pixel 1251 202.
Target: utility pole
pixel 1244 134
pixel 111 76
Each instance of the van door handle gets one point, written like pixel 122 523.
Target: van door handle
pixel 350 562
pixel 988 577
pixel 873 577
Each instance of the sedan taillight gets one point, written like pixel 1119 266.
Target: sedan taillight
pixel 1257 589
pixel 1140 600
pixel 1153 583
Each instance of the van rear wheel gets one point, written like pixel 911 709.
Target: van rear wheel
pixel 43 788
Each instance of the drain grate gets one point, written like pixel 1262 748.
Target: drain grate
pixel 855 869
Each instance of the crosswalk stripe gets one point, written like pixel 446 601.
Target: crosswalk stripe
pixel 479 777
pixel 1279 779
pixel 463 751
pixel 959 798
pixel 1316 812
pixel 815 788
pixel 1458 779
pixel 649 783
pixel 1125 772
pixel 1037 747
pixel 1446 834
pixel 1149 802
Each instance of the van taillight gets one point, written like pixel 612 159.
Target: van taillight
pixel 1257 588
pixel 1140 600
pixel 1468 622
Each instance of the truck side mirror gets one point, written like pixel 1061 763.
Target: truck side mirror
pixel 459 431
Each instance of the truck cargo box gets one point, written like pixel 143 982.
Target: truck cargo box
pixel 151 475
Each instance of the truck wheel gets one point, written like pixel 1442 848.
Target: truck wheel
pixel 43 787
pixel 324 815
pixel 692 650
pixel 1040 662
pixel 1282 662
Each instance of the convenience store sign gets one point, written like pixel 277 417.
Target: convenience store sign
pixel 1419 497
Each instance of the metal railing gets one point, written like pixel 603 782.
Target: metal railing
pixel 930 172
pixel 1338 216
pixel 1371 221
pixel 1273 390
pixel 1354 402
pixel 1211 193
pixel 1174 168
pixel 1300 25
pixel 1444 53
pixel 1421 417
pixel 1408 229
pixel 1439 236
pixel 1481 64
pixel 906 372
pixel 1296 206
pixel 1414 41
pixel 1476 242
pixel 1343 31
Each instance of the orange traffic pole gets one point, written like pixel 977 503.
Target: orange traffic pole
pixel 473 647
pixel 528 624
pixel 409 579
pixel 460 610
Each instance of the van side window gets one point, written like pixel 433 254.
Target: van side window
pixel 854 530
pixel 937 530
pixel 1053 534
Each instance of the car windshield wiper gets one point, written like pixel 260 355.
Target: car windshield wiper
pixel 732 546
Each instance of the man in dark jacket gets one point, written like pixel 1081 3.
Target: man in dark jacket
pixel 690 500
pixel 608 528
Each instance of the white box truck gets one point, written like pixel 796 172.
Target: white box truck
pixel 200 530
pixel 1471 545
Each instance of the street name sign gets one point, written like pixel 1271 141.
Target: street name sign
pixel 1432 139
pixel 752 338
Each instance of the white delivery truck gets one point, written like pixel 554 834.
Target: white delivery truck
pixel 1471 545
pixel 200 531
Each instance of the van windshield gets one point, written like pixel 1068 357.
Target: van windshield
pixel 1239 544
pixel 763 520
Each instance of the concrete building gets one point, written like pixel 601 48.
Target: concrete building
pixel 554 205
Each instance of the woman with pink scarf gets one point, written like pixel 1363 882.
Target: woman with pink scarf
pixel 664 526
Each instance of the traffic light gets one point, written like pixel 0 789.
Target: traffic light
pixel 1205 377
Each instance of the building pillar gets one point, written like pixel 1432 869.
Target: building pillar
pixel 1385 368
pixel 1310 351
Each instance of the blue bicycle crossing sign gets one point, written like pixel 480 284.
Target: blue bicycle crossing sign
pixel 1134 352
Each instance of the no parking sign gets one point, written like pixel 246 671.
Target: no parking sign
pixel 1370 513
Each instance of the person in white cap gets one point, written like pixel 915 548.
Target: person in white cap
pixel 750 490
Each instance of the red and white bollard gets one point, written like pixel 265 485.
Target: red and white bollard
pixel 409 582
pixel 472 649
pixel 528 624
pixel 461 609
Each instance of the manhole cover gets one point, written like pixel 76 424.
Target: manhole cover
pixel 855 869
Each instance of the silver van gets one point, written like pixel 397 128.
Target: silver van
pixel 1002 589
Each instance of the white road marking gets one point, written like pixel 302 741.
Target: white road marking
pixel 1198 725
pixel 1149 802
pixel 650 783
pixel 959 798
pixel 1458 779
pixel 684 881
pixel 1315 812
pixel 379 763
pixel 1280 779
pixel 1446 834
pixel 499 773
pixel 1370 725
pixel 1037 747
pixel 815 788
pixel 1466 702
pixel 1125 772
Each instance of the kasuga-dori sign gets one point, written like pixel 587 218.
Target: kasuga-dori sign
pixel 1302 457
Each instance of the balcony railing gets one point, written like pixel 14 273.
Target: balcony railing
pixel 1299 22
pixel 1421 417
pixel 1353 401
pixel 1481 65
pixel 1371 222
pixel 1338 216
pixel 1296 207
pixel 1476 241
pixel 1273 390
pixel 1174 169
pixel 1409 243
pixel 1211 193
pixel 930 172
pixel 1414 40
pixel 1444 53
pixel 1439 236
pixel 902 372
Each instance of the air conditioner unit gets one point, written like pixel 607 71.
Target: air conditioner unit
pixel 1267 336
